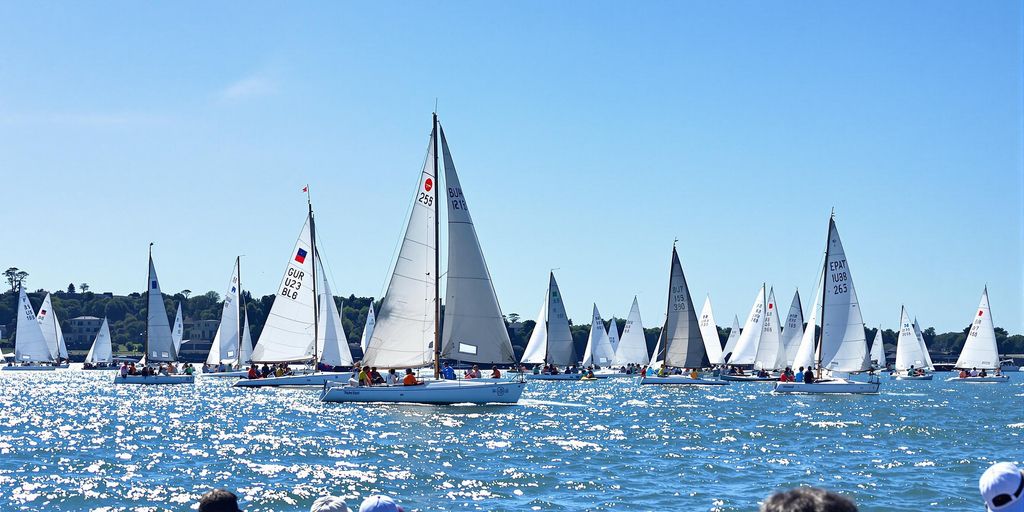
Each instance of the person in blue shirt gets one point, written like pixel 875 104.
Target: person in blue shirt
pixel 447 372
pixel 799 377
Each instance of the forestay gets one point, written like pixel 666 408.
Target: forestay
pixel 793 330
pixel 746 347
pixel 474 328
pixel 633 344
pixel 403 336
pixel 683 344
pixel 101 350
pixel 599 348
pixel 159 344
pixel 980 350
pixel 29 343
pixel 288 333
pixel 844 347
pixel 709 332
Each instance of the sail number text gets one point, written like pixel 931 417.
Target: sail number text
pixel 292 283
pixel 839 275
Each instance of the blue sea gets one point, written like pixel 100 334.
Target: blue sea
pixel 71 440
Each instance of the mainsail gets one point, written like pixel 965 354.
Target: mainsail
pixel 403 336
pixel 878 350
pixel 844 347
pixel 288 334
pixel 793 330
pixel 159 344
pixel 101 350
pixel 745 352
pixel 29 344
pixel 683 344
pixel 633 345
pixel 367 329
pixel 980 350
pixel 474 328
pixel 225 343
pixel 771 355
pixel 50 326
pixel 908 347
pixel 709 332
pixel 599 348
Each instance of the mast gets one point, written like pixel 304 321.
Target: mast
pixel 316 308
pixel 824 289
pixel 238 351
pixel 663 348
pixel 437 260
pixel 547 317
pixel 149 285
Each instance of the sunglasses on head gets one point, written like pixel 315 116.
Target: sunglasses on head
pixel 1001 500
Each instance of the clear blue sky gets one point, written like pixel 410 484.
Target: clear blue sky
pixel 588 135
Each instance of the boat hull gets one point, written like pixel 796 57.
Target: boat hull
pixel 911 377
pixel 682 380
pixel 36 368
pixel 614 375
pixel 980 380
pixel 747 378
pixel 560 376
pixel 232 374
pixel 155 379
pixel 308 380
pixel 433 392
pixel 835 386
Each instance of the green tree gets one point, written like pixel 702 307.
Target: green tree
pixel 84 287
pixel 71 287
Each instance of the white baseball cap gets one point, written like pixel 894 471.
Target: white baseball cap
pixel 379 503
pixel 329 504
pixel 1002 486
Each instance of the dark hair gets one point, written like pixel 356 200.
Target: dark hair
pixel 807 499
pixel 219 500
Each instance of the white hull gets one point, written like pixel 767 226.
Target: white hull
pixel 155 379
pixel 560 376
pixel 30 368
pixel 614 375
pixel 101 368
pixel 311 379
pixel 830 386
pixel 682 380
pixel 431 392
pixel 911 377
pixel 980 380
pixel 232 374
pixel 747 378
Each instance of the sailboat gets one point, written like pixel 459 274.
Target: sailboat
pixel 297 326
pixel 159 345
pixel 101 354
pixel 709 332
pixel 734 337
pixel 50 325
pixel 368 329
pixel 224 359
pixel 407 333
pixel 178 331
pixel 878 350
pixel 31 351
pixel 910 352
pixel 748 351
pixel 599 350
pixel 632 347
pixel 682 344
pixel 980 351
pixel 843 348
pixel 924 347
pixel 551 341
pixel 794 329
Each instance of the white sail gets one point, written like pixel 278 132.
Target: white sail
pixel 101 350
pixel 332 343
pixel 403 336
pixel 245 351
pixel 734 337
pixel 750 337
pixel 367 329
pixel 657 358
pixel 771 354
pixel 50 326
pixel 613 334
pixel 474 328
pixel 159 344
pixel 908 348
pixel 805 352
pixel 844 347
pixel 633 344
pixel 178 331
pixel 29 343
pixel 924 347
pixel 980 350
pixel 878 350
pixel 793 330
pixel 709 331
pixel 228 337
pixel 288 333
pixel 537 347
pixel 599 348
pixel 561 350
pixel 683 344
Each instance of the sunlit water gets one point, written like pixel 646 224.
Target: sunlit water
pixel 72 440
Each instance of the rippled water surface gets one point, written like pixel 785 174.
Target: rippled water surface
pixel 72 440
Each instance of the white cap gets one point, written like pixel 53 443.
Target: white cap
pixel 1000 481
pixel 379 503
pixel 329 504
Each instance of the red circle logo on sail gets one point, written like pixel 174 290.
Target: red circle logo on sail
pixel 429 184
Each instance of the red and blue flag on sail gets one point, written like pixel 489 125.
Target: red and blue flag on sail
pixel 301 255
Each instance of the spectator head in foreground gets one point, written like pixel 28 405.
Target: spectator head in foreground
pixel 1002 486
pixel 329 504
pixel 219 500
pixel 379 503
pixel 807 499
